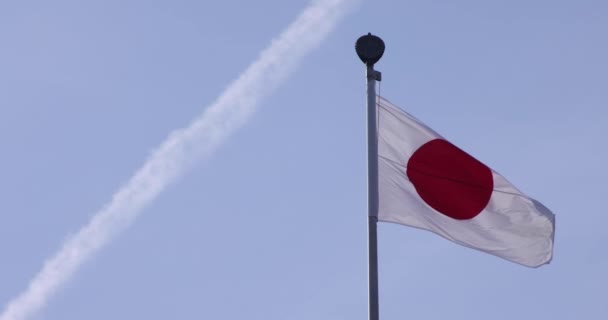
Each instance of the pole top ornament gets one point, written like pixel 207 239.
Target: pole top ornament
pixel 370 49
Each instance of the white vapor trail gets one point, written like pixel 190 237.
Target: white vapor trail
pixel 181 149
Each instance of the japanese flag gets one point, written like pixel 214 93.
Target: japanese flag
pixel 428 183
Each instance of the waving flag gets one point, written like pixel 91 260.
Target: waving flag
pixel 428 183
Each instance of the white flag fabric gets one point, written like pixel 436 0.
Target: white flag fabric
pixel 428 183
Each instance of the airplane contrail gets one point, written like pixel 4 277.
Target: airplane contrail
pixel 181 149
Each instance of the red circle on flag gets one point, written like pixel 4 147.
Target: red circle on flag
pixel 450 180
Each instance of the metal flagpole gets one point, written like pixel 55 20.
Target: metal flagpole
pixel 370 49
pixel 372 192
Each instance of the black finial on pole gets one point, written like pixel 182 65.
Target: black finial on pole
pixel 370 49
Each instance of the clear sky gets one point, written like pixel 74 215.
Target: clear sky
pixel 273 224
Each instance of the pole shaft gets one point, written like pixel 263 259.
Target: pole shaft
pixel 372 192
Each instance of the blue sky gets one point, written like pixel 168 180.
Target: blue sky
pixel 273 224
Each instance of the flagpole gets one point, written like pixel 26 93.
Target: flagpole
pixel 370 49
pixel 372 193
